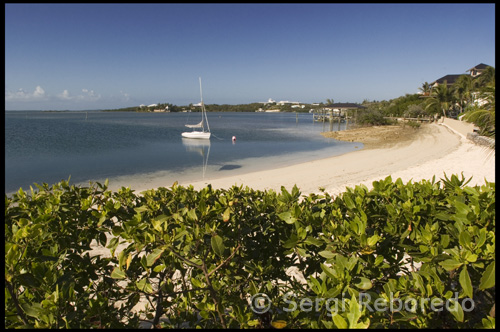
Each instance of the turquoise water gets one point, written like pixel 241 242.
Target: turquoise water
pixel 46 147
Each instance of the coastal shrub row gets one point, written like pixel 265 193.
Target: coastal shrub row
pixel 414 255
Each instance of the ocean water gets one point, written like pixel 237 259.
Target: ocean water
pixel 47 147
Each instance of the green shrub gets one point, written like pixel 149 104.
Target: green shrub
pixel 372 117
pixel 198 257
pixel 413 124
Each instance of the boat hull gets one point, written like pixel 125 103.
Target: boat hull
pixel 196 135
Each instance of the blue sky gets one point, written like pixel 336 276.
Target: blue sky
pixel 100 56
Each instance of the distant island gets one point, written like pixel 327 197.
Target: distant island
pixel 283 106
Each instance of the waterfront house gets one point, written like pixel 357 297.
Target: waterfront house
pixel 449 79
pixel 452 78
pixel 338 110
pixel 341 108
pixel 477 70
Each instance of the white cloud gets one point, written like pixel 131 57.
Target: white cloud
pixel 87 95
pixel 39 92
pixel 90 95
pixel 22 95
pixel 64 95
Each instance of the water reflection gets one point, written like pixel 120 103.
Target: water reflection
pixel 200 146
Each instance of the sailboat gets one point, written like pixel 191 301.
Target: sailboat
pixel 199 134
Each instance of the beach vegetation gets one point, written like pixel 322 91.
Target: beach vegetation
pixel 425 89
pixel 483 116
pixel 372 117
pixel 441 98
pixel 413 124
pixel 398 107
pixel 183 258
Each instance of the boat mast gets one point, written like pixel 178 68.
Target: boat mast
pixel 203 110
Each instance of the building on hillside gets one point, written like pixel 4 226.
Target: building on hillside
pixel 449 79
pixel 285 102
pixel 477 70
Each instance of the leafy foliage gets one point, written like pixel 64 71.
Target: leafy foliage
pixel 197 257
pixel 372 117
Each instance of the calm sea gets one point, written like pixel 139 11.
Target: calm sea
pixel 46 147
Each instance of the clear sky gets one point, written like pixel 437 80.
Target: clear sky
pixel 101 56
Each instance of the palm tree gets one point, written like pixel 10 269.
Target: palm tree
pixel 487 76
pixel 462 90
pixel 484 116
pixel 426 89
pixel 442 97
pixel 329 101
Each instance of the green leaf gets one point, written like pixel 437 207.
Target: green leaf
pixel 32 311
pixel 302 252
pixel 372 240
pixel 141 209
pixel 327 254
pixel 291 242
pixel 218 245
pixel 192 215
pixel 445 240
pixel 226 215
pixel 450 264
pixel 158 222
pixel 465 239
pixel 456 310
pixel 313 241
pixel 159 268
pixel 465 282
pixel 339 321
pixel 488 277
pixel 329 271
pixel 153 256
pixel 363 283
pixel 145 286
pixel 354 312
pixel 348 202
pixel 118 273
pixel 287 217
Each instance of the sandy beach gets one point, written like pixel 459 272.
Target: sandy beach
pixel 433 150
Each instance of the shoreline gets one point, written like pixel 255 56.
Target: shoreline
pixel 435 151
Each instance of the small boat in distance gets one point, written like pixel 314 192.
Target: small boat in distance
pixel 199 134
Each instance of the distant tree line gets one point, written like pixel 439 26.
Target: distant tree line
pixel 251 107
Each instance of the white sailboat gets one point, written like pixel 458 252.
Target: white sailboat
pixel 199 134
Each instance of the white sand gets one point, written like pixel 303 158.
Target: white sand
pixel 438 150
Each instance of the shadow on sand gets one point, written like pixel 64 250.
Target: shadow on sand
pixel 229 167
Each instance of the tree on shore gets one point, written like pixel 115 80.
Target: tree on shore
pixel 463 91
pixel 441 97
pixel 484 116
pixel 426 89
